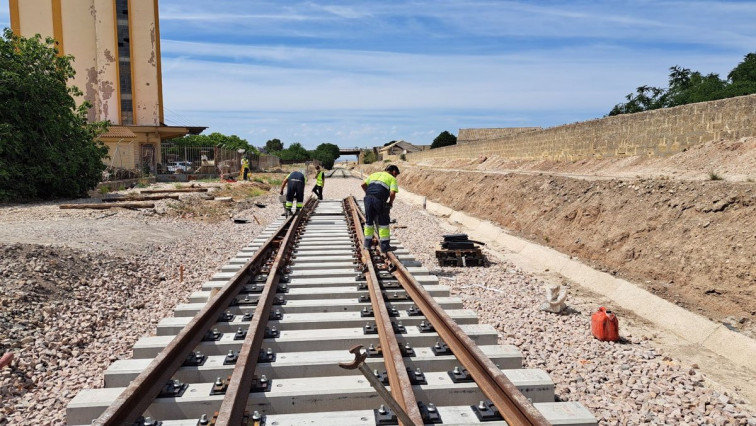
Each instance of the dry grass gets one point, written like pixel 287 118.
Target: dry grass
pixel 240 191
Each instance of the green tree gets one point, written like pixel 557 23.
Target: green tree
pixel 742 78
pixel 686 87
pixel 444 139
pixel 701 88
pixel 273 145
pixel 215 139
pixel 645 98
pixel 745 72
pixel 326 153
pixel 329 148
pixel 47 148
pixel 295 152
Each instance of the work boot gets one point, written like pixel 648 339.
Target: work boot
pixel 368 242
pixel 386 247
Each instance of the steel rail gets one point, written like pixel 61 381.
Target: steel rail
pixel 511 403
pixel 232 408
pixel 140 393
pixel 401 387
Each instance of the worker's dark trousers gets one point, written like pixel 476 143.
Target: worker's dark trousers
pixel 377 213
pixel 318 190
pixel 295 190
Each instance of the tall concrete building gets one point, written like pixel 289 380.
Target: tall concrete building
pixel 116 50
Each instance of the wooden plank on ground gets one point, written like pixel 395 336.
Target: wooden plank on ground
pixel 167 191
pixel 141 198
pixel 102 206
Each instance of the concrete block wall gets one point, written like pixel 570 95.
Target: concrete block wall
pixel 267 162
pixel 653 133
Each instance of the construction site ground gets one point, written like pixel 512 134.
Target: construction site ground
pixel 682 227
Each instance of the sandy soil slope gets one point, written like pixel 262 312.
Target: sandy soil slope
pixel 666 223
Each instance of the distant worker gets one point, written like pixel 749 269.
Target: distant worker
pixel 244 168
pixel 294 184
pixel 319 177
pixel 380 189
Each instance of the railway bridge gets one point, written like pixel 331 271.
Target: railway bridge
pixel 353 151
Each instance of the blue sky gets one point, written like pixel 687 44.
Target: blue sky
pixel 364 73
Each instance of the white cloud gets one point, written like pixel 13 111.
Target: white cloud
pixel 336 79
pixel 345 12
pixel 722 24
pixel 361 98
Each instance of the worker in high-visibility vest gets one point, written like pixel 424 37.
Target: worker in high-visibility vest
pixel 244 168
pixel 319 178
pixel 295 185
pixel 380 189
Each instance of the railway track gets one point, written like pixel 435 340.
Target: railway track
pixel 266 340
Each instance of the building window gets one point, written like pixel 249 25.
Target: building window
pixel 124 61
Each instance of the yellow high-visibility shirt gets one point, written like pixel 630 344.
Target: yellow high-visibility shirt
pixel 385 179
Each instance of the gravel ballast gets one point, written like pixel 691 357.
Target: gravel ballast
pixel 78 288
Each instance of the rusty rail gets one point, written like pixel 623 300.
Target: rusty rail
pixel 401 387
pixel 511 403
pixel 234 402
pixel 140 393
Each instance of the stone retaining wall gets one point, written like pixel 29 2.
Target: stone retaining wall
pixel 653 133
pixel 480 135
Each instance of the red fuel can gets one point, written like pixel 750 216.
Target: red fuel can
pixel 604 325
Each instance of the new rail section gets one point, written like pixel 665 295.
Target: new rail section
pixel 262 342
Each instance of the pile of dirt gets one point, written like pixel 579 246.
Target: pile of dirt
pixel 689 241
pixel 220 203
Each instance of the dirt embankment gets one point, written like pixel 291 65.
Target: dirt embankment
pixel 692 242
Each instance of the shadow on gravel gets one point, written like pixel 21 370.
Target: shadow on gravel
pixel 623 341
pixel 444 273
pixel 569 311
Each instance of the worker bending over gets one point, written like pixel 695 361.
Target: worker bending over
pixel 318 188
pixel 294 184
pixel 380 189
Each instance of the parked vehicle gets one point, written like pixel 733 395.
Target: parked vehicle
pixel 180 167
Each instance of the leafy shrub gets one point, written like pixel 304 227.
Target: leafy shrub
pixel 687 87
pixel 368 156
pixel 444 139
pixel 47 148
